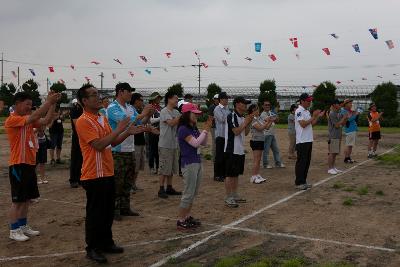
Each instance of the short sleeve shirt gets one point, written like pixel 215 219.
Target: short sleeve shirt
pixel 271 130
pixel 334 132
pixel 189 154
pixel 22 139
pixel 303 135
pixel 168 137
pixel 373 126
pixel 95 164
pixel 234 143
pixel 257 135
pixel 290 121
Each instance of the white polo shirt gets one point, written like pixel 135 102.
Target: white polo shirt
pixel 303 135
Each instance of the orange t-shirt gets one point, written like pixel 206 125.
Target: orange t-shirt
pixel 23 143
pixel 95 164
pixel 373 126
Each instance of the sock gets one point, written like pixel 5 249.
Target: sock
pixel 22 221
pixel 161 188
pixel 14 226
pixel 169 187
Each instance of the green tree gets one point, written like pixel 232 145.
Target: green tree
pixel 268 92
pixel 31 87
pixel 177 89
pixel 323 95
pixel 7 92
pixel 212 90
pixel 385 98
pixel 60 88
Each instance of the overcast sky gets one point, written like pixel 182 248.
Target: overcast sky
pixel 60 33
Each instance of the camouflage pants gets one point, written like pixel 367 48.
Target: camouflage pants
pixel 124 168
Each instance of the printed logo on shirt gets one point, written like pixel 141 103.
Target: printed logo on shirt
pixel 298 114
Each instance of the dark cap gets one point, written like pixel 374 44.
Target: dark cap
pixel 188 96
pixel 336 102
pixel 372 105
pixel 223 95
pixel 241 99
pixel 305 97
pixel 123 86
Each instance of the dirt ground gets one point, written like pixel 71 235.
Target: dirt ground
pixel 315 225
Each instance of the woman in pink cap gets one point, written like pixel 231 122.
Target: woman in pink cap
pixel 190 139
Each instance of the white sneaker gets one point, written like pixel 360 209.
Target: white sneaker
pixel 27 230
pixel 261 178
pixel 258 180
pixel 18 235
pixel 332 171
pixel 281 165
pixel 253 179
pixel 268 167
pixel 338 171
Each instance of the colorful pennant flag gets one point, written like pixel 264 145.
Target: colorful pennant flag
pixel 72 67
pixel 379 76
pixel 326 51
pixel 114 76
pixel 87 79
pixel 374 33
pixel 143 58
pixel 225 63
pixel 334 35
pixel 168 54
pixel 389 44
pixel 356 48
pixel 204 65
pixel 148 71
pixel 197 53
pixel 272 57
pixel 227 50
pixel 338 82
pixel 131 73
pixel 14 74
pixel 118 61
pixel 95 62
pixel 51 68
pixel 32 72
pixel 257 47
pixel 294 42
pixel 248 58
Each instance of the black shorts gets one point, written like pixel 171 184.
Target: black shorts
pixel 257 145
pixel 56 140
pixel 374 135
pixel 234 164
pixel 23 182
pixel 41 154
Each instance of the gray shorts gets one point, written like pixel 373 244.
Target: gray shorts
pixel 140 156
pixel 351 139
pixel 334 146
pixel 192 176
pixel 169 164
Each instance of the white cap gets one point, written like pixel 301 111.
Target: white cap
pixel 216 96
pixel 74 101
pixel 181 102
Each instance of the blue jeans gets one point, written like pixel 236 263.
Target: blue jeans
pixel 270 142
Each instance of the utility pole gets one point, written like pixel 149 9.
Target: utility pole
pixel 101 80
pixel 199 65
pixel 2 65
pixel 18 75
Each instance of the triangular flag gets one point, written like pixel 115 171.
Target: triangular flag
pixel 51 68
pixel 272 57
pixel 61 81
pixel 14 74
pixel 168 54
pixel 204 65
pixel 248 58
pixel 197 53
pixel 326 51
pixel 72 67
pixel 227 50
pixel 352 81
pixel 225 62
pixel 338 82
pixel 364 79
pixel 356 48
pixel 334 35
pixel 143 58
pixel 148 71
pixel 257 47
pixel 117 60
pixel 32 72
pixel 374 33
pixel 114 76
pixel 87 79
pixel 131 73
pixel 379 76
pixel 95 62
pixel 294 42
pixel 389 44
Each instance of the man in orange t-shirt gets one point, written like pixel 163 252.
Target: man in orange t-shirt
pixel 374 129
pixel 19 127
pixel 95 139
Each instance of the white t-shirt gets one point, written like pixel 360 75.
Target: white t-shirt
pixel 303 135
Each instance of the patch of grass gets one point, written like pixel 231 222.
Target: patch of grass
pixel 348 202
pixel 172 260
pixel 2 131
pixel 391 158
pixel 208 156
pixel 296 262
pixel 230 261
pixel 335 264
pixel 262 263
pixel 193 264
pixel 362 190
pixel 338 185
pixel 379 193
pixel 348 189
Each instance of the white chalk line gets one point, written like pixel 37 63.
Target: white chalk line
pixel 255 213
pixel 5 259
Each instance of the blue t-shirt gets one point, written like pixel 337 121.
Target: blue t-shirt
pixel 189 153
pixel 351 124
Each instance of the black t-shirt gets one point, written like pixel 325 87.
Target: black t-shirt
pixel 75 112
pixel 57 126
pixel 139 139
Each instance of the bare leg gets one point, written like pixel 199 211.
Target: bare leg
pixel 58 153
pixel 52 154
pixel 256 161
pixel 331 160
pixel 169 180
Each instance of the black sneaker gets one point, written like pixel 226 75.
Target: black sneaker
pixel 193 221
pixel 185 225
pixel 74 185
pixel 58 161
pixel 172 192
pixel 96 255
pixel 162 194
